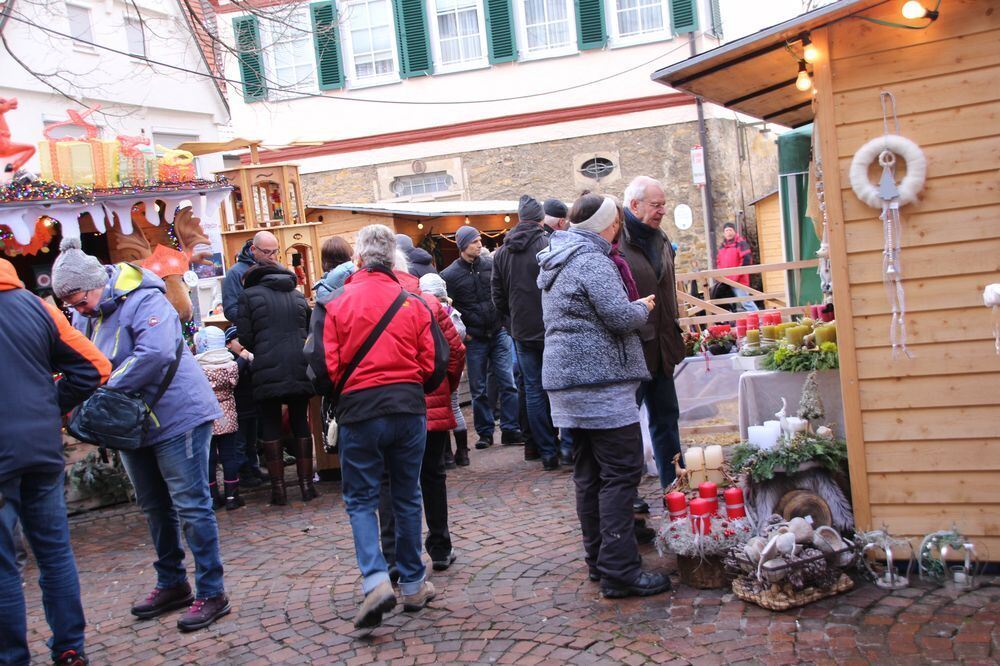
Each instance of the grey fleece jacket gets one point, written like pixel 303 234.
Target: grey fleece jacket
pixel 590 325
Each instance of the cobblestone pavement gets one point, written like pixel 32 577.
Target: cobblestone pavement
pixel 519 593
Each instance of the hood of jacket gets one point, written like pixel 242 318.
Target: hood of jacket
pixel 125 279
pixel 246 254
pixel 563 246
pixel 215 358
pixel 271 276
pixel 8 277
pixel 419 255
pixel 522 236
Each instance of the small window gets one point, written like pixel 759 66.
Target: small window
pixel 135 37
pixel 638 17
pixel 459 32
pixel 547 27
pixel 291 59
pixel 424 183
pixel 371 33
pixel 79 24
pixel 597 168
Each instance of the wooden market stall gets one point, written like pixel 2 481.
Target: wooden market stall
pixel 923 433
pixel 769 239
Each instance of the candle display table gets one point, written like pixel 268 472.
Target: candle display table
pixel 761 391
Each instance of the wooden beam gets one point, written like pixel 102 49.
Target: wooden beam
pixel 826 126
pixel 748 270
pixel 730 316
pixel 702 305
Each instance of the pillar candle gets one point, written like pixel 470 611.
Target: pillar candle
pixel 701 512
pixel 767 333
pixel 814 311
pixel 734 503
pixel 753 336
pixel 795 334
pixel 709 491
pixel 714 460
pixel 826 316
pixel 826 334
pixel 677 505
pixel 753 321
pixel 694 462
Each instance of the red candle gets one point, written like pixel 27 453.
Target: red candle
pixel 753 321
pixel 826 315
pixel 814 311
pixel 701 515
pixel 676 505
pixel 734 503
pixel 709 491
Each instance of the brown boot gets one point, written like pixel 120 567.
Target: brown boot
pixel 275 470
pixel 304 467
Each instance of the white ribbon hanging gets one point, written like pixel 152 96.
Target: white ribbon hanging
pixel 991 299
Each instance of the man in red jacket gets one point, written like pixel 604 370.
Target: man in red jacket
pixel 735 251
pixel 37 343
pixel 381 412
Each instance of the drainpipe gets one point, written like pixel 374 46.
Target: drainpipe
pixel 706 191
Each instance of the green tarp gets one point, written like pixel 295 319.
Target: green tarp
pixel 794 149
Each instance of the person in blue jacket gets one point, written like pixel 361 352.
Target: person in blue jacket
pixel 123 310
pixel 38 342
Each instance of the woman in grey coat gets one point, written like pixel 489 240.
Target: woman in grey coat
pixel 591 369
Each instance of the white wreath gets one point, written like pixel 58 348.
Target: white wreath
pixel 885 148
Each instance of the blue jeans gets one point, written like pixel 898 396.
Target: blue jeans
pixel 483 357
pixel 396 443
pixel 39 502
pixel 529 356
pixel 748 306
pixel 171 488
pixel 660 398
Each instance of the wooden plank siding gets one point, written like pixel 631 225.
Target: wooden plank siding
pixel 769 242
pixel 923 433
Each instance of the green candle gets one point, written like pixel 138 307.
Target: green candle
pixel 806 321
pixel 768 332
pixel 753 336
pixel 826 334
pixel 795 334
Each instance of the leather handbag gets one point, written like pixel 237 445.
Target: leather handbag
pixel 117 419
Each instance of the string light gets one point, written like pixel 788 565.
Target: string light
pixel 420 225
pixel 803 81
pixel 914 10
pixel 466 220
pixel 506 219
pixel 809 51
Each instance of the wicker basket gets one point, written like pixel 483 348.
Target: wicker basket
pixel 707 573
pixel 745 589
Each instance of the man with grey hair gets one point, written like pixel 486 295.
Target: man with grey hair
pixel 650 256
pixel 375 350
pixel 262 249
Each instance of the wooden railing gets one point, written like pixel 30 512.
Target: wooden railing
pixel 701 311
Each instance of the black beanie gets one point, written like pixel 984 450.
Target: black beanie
pixel 529 210
pixel 555 208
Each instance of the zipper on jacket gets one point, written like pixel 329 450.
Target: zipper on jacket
pixel 118 332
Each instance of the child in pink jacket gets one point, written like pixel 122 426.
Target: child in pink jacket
pixel 223 374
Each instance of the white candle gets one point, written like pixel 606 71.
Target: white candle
pixel 758 436
pixel 713 457
pixel 694 461
pixel 775 426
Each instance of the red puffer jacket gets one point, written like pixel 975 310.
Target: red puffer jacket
pixel 439 415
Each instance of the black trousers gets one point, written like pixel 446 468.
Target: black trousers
pixel 270 417
pixel 434 489
pixel 607 470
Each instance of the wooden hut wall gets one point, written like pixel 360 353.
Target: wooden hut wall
pixel 923 433
pixel 770 243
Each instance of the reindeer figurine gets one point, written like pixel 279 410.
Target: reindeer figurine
pixel 19 153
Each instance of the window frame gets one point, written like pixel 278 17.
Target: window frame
pixel 521 32
pixel 345 8
pixel 268 42
pixel 441 67
pixel 87 48
pixel 136 25
pixel 615 37
pixel 437 176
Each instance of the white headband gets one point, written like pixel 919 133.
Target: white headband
pixel 603 218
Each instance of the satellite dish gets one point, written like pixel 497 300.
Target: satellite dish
pixel 682 217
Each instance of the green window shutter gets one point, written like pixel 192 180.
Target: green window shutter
pixel 329 63
pixel 590 24
pixel 412 37
pixel 716 19
pixel 500 30
pixel 683 16
pixel 246 33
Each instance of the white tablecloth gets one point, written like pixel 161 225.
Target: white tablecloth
pixel 761 391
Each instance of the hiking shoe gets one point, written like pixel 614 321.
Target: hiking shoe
pixel 204 612
pixel 485 442
pixel 70 658
pixel 162 600
pixel 377 603
pixel 442 563
pixel 414 602
pixel 508 437
pixel 647 584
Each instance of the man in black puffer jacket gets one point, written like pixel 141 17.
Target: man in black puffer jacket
pixel 488 347
pixel 519 300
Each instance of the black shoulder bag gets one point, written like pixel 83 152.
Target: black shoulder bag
pixel 118 420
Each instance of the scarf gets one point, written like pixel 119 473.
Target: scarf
pixel 648 239
pixel 631 288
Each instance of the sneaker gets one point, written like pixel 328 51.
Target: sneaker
pixel 442 563
pixel 550 464
pixel 204 612
pixel 162 600
pixel 485 442
pixel 508 437
pixel 414 602
pixel 70 658
pixel 647 584
pixel 377 603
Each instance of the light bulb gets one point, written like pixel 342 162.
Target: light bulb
pixel 506 218
pixel 803 81
pixel 809 51
pixel 466 220
pixel 420 225
pixel 914 10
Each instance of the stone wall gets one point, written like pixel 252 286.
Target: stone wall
pixel 552 169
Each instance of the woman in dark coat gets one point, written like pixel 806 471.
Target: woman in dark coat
pixel 272 323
